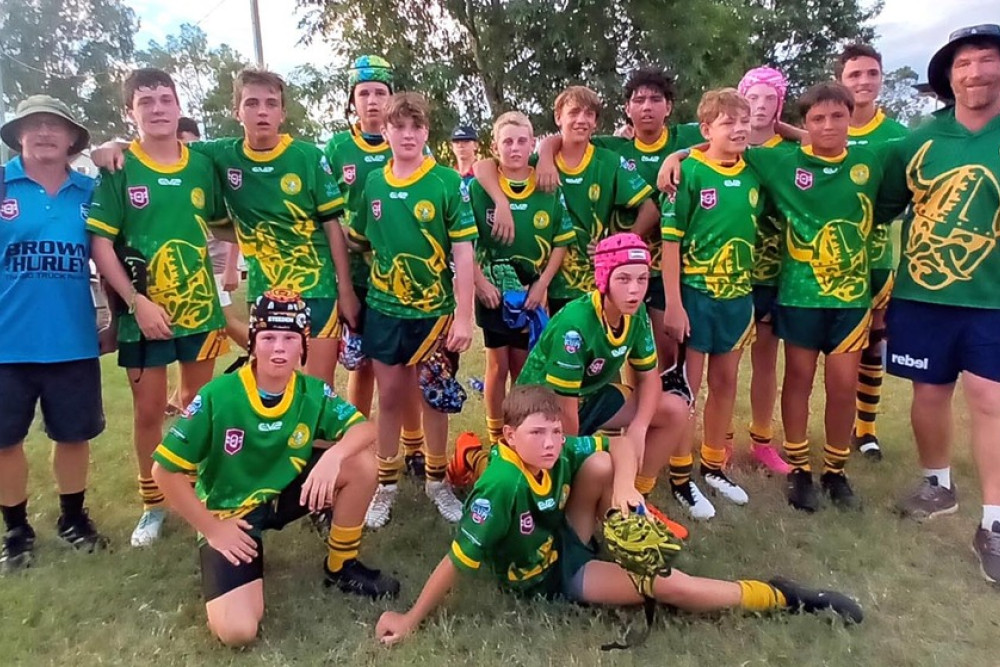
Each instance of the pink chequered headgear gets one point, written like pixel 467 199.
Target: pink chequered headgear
pixel 618 250
pixel 769 77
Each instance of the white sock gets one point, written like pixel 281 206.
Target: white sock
pixel 991 513
pixel 943 476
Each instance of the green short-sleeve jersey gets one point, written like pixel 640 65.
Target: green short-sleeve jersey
pixel 770 229
pixel 828 205
pixel 352 158
pixel 647 159
pixel 411 225
pixel 714 217
pixel 512 520
pixel 951 175
pixel 578 354
pixel 602 182
pixel 279 201
pixel 163 211
pixel 540 225
pixel 878 131
pixel 245 453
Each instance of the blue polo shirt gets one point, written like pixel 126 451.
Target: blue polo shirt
pixel 46 309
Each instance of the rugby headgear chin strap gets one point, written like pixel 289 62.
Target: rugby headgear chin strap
pixel 280 310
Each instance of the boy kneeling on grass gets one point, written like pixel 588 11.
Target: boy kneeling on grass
pixel 250 436
pixel 531 519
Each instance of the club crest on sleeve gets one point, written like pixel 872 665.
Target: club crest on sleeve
pixel 803 179
pixel 138 195
pixel 234 441
pixel 193 408
pixel 527 523
pixel 235 178
pixel 350 173
pixel 324 164
pixel 480 510
pixel 9 209
pixel 572 342
pixel 709 198
pixel 377 209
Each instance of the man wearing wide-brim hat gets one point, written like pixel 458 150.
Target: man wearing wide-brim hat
pixel 48 337
pixel 944 317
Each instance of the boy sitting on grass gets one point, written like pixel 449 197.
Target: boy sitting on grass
pixel 531 517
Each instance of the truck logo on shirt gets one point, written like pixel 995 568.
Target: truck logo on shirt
pixel 709 198
pixel 9 209
pixel 803 179
pixel 235 178
pixel 139 196
pixel 350 172
pixel 234 441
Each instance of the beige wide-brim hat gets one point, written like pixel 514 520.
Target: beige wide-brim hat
pixel 11 134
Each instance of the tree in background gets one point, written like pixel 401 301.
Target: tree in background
pixel 75 50
pixel 899 98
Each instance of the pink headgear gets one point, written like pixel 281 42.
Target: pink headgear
pixel 769 77
pixel 618 250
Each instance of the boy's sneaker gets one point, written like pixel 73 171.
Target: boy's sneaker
pixel 357 579
pixel 802 494
pixel 808 600
pixel 929 500
pixel 81 534
pixel 416 464
pixel 380 508
pixel 768 458
pixel 459 473
pixel 986 546
pixel 868 445
pixel 679 531
pixel 839 489
pixel 18 549
pixel 148 529
pixel 691 497
pixel 444 499
pixel 724 486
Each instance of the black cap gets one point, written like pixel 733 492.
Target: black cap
pixel 939 69
pixel 464 133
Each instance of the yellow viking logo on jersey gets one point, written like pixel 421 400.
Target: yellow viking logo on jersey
pixel 547 555
pixel 299 437
pixel 753 197
pixel 767 262
pixel 577 271
pixel 725 271
pixel 424 211
pixel 181 282
pixel 594 192
pixel 860 174
pixel 541 220
pixel 294 264
pixel 198 198
pixel 254 500
pixel 948 239
pixel 837 255
pixel 291 184
pixel 415 281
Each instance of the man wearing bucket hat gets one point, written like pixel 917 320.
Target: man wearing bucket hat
pixel 46 262
pixel 944 316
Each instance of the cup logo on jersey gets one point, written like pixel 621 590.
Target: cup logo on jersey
pixel 139 196
pixel 377 209
pixel 803 179
pixel 9 209
pixel 859 174
pixel 527 523
pixel 424 210
pixel 198 198
pixel 572 341
pixel 234 441
pixel 291 184
pixel 541 220
pixel 480 510
pixel 350 172
pixel 709 198
pixel 235 178
pixel 594 192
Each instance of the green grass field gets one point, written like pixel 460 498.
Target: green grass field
pixel 920 585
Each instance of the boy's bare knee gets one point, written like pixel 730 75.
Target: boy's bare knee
pixel 236 631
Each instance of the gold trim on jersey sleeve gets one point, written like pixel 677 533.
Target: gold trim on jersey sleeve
pixel 102 226
pixel 671 234
pixel 330 205
pixel 643 194
pixel 178 461
pixel 457 235
pixel 645 363
pixel 463 559
pixel 563 384
pixel 567 236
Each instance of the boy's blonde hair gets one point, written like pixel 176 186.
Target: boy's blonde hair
pixel 515 118
pixel 524 400
pixel 721 101
pixel 580 95
pixel 408 105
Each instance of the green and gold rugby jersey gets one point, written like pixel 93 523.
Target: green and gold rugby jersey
pixel 714 217
pixel 245 453
pixel 540 225
pixel 352 158
pixel 647 159
pixel 578 354
pixel 163 211
pixel 828 206
pixel 602 182
pixel 279 200
pixel 952 177
pixel 876 132
pixel 411 225
pixel 770 230
pixel 512 521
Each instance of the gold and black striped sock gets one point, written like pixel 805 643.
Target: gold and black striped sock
pixel 760 596
pixel 494 428
pixel 644 485
pixel 343 544
pixel 435 466
pixel 835 459
pixel 389 469
pixel 761 435
pixel 150 493
pixel 712 459
pixel 870 374
pixel 412 441
pixel 476 460
pixel 797 454
pixel 680 469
